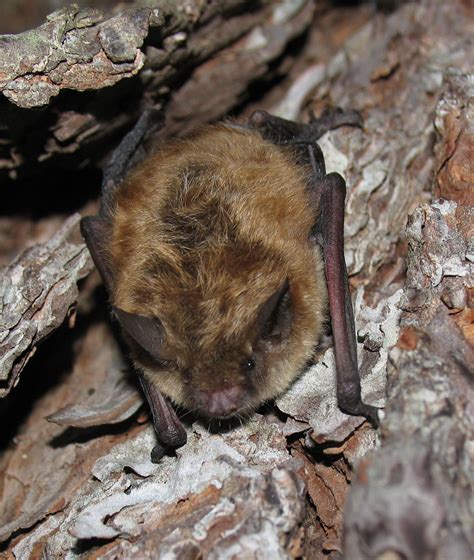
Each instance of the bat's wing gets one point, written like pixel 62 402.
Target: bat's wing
pixel 329 191
pixel 95 228
pixel 169 430
pixel 331 232
pixel 128 153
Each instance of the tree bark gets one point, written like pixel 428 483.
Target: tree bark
pixel 300 479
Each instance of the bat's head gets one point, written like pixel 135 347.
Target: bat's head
pixel 224 347
pixel 211 271
pixel 224 333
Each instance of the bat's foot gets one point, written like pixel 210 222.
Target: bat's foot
pixel 304 137
pixel 282 131
pixel 332 118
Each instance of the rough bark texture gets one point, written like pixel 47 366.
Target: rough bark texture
pixel 83 485
pixel 37 291
pixel 79 50
pixel 413 497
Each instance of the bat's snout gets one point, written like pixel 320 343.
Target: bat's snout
pixel 220 403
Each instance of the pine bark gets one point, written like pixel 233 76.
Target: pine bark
pixel 300 479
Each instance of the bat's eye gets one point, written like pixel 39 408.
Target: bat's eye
pixel 249 364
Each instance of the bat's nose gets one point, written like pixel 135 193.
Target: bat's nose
pixel 223 402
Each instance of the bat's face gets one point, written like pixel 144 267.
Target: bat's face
pixel 227 359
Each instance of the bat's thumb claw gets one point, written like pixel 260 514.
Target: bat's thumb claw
pixel 157 453
pixel 371 413
pixel 366 410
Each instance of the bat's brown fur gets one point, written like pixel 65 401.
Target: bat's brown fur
pixel 203 233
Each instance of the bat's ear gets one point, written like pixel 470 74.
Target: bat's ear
pixel 94 231
pixel 148 332
pixel 274 315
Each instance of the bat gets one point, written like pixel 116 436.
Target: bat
pixel 221 254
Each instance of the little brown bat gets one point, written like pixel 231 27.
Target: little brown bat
pixel 221 253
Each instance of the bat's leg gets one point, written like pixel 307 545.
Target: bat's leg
pixel 169 429
pixel 331 233
pixel 282 131
pixel 126 155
